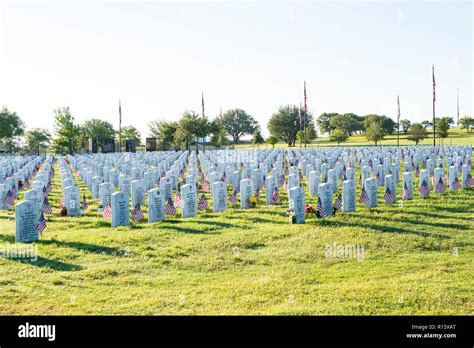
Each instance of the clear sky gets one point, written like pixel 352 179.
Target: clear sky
pixel 157 57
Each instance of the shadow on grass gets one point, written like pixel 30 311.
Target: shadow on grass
pixel 48 263
pixel 378 228
pixel 189 230
pixel 7 238
pixel 92 248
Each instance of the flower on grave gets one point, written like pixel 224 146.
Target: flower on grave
pixel 291 215
pixel 253 201
pixel 308 209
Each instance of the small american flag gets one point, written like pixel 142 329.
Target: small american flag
pixel 50 188
pixel 46 207
pixel 10 198
pixel 364 197
pixel 285 186
pixel 469 180
pixel 41 225
pixel 107 213
pixel 338 202
pixel 456 184
pixel 170 209
pixel 233 198
pixel 440 186
pixel 14 190
pixel 137 213
pixel 276 195
pixel 45 192
pixel 389 196
pixel 84 204
pixel 417 171
pixel 202 204
pixel 320 211
pixel 177 200
pixel 61 202
pixel 405 191
pixel 424 188
pixel 264 182
pixel 257 194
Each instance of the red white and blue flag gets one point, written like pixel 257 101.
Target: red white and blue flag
pixel 9 198
pixel 364 197
pixel 338 203
pixel 276 195
pixel 137 213
pixel 41 225
pixel 202 204
pixel 177 200
pixel 320 211
pixel 170 209
pixel 424 188
pixel 233 198
pixel 107 213
pixel 389 196
pixel 46 207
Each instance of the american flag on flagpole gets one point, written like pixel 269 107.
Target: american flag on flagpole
pixel 41 225
pixel 46 207
pixel 120 113
pixel 305 100
pixel 170 209
pixel 233 198
pixel 137 213
pixel 389 196
pixel 202 101
pixel 202 204
pixel 434 87
pixel 107 213
pixel 398 111
pixel 364 197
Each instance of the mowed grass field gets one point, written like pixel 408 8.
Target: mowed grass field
pixel 456 137
pixel 417 259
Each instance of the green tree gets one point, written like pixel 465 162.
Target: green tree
pixel 324 122
pixel 339 136
pixel 348 123
pixel 193 126
pixel 36 138
pixel 310 133
pixel 237 123
pixel 129 132
pixel 427 124
pixel 67 132
pixel 375 132
pixel 285 123
pixel 385 122
pixel 164 132
pixel 466 122
pixel 257 137
pixel 442 126
pixel 417 133
pixel 272 140
pixel 11 127
pixel 98 130
pixel 405 125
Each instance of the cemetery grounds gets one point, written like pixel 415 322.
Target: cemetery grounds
pixel 410 258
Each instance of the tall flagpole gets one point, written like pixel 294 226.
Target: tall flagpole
pixel 434 99
pixel 120 127
pixel 305 113
pixel 398 121
pixel 458 106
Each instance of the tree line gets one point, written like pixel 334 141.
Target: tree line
pixel 290 124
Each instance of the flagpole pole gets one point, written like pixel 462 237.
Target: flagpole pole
pixel 398 122
pixel 434 127
pixel 457 97
pixel 120 127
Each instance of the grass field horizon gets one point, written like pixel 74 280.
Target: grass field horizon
pixel 456 136
pixel 417 260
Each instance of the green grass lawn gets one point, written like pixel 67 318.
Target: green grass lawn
pixel 417 259
pixel 456 137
